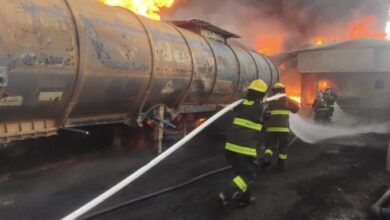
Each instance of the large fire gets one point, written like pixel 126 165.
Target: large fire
pixel 269 44
pixel 361 28
pixel 273 44
pixel 148 8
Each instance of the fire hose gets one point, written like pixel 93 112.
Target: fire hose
pixel 155 194
pixel 98 200
pixel 104 196
pixel 378 208
pixel 163 191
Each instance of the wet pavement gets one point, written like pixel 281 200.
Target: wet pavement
pixel 324 181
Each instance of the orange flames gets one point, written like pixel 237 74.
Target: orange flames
pixel 323 84
pixel 319 41
pixel 269 44
pixel 292 80
pixel 148 8
pixel 296 98
pixel 362 28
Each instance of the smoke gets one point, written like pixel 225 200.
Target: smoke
pixel 295 21
pixel 344 126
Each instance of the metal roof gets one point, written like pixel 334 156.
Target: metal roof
pixel 205 25
pixel 362 43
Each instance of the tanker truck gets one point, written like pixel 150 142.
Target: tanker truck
pixel 68 63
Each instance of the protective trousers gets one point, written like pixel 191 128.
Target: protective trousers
pixel 244 174
pixel 322 118
pixel 277 141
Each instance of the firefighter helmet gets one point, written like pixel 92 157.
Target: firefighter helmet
pixel 258 85
pixel 279 86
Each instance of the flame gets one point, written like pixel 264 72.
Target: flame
pixel 269 44
pixel 361 28
pixel 296 98
pixel 148 8
pixel 323 84
pixel 292 81
pixel 319 41
pixel 199 122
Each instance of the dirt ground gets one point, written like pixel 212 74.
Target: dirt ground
pixel 47 179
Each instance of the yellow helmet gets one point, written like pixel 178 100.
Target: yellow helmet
pixel 258 85
pixel 279 86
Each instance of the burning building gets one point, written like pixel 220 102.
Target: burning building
pixel 357 70
pixel 274 27
pixel 277 26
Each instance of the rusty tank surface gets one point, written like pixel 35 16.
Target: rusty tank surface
pixel 71 63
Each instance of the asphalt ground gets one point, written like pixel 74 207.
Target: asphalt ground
pixel 49 178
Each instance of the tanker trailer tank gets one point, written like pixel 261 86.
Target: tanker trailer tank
pixel 71 63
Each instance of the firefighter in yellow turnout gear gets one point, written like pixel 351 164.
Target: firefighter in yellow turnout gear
pixel 240 147
pixel 278 127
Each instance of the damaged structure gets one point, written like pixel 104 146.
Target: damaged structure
pixel 357 70
pixel 68 63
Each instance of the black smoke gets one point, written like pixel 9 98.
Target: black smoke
pixel 298 20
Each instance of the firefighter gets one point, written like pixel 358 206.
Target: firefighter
pixel 278 128
pixel 240 147
pixel 321 109
pixel 330 98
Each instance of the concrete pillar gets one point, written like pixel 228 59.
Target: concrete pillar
pixel 309 88
pixel 159 130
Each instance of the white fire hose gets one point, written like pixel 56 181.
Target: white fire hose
pixel 98 200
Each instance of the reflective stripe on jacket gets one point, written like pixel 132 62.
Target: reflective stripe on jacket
pixel 249 151
pixel 279 109
pixel 246 128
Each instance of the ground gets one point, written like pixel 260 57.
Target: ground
pixel 49 178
